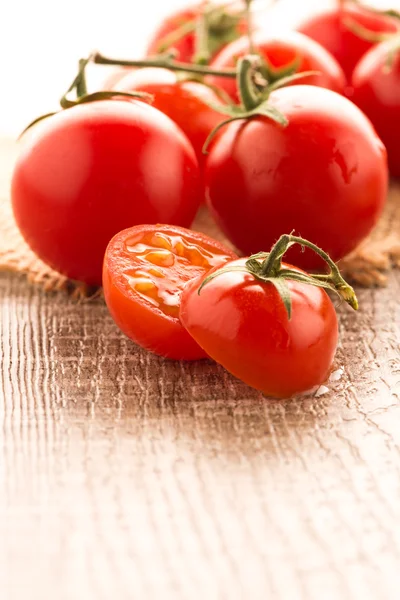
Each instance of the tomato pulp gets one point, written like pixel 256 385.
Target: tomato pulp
pixel 323 176
pixel 280 53
pixel 242 324
pixel 145 270
pixel 94 169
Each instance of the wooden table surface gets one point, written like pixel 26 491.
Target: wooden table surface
pixel 126 476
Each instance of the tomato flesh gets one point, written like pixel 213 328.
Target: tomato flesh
pixel 94 169
pixel 281 52
pixel 145 270
pixel 376 88
pixel 329 28
pixel 242 324
pixel 323 176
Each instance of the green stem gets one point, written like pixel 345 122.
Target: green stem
pixel 249 19
pixel 163 62
pixel 176 35
pixel 334 270
pixel 191 26
pixel 271 265
pixel 270 271
pixel 202 53
pixel 81 86
pixel 249 95
pixel 79 82
pixel 393 13
pixel 367 34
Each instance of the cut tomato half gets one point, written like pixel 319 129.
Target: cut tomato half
pixel 145 271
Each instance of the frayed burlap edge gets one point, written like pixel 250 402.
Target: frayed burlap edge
pixel 368 266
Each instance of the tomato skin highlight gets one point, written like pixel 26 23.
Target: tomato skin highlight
pixel 376 88
pixel 181 101
pixel 330 30
pixel 131 267
pixel 114 76
pixel 93 169
pixel 280 52
pixel 243 325
pixel 324 176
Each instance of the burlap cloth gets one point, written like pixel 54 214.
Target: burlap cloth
pixel 369 265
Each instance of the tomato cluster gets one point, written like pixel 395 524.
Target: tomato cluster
pixel 259 127
pixel 350 32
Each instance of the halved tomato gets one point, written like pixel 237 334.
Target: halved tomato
pixel 145 270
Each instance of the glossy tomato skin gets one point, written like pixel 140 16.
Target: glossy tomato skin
pixel 182 101
pixel 330 30
pixel 145 269
pixel 242 324
pixel 376 88
pixel 280 52
pixel 323 176
pixel 94 169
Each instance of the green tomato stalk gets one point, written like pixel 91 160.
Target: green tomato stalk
pixel 267 268
pixel 164 61
pixel 364 33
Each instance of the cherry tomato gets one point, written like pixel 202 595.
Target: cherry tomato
pixel 93 169
pixel 332 29
pixel 242 323
pixel 185 45
pixel 324 175
pixel 281 52
pixel 225 29
pixel 376 85
pixel 145 269
pixel 181 100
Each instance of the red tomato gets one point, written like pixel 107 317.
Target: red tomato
pixel 324 175
pixel 329 28
pixel 145 270
pixel 94 169
pixel 377 92
pixel 280 52
pixel 186 44
pixel 242 324
pixel 182 101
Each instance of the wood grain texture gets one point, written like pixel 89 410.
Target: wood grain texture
pixel 126 476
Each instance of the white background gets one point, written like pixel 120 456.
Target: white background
pixel 41 41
